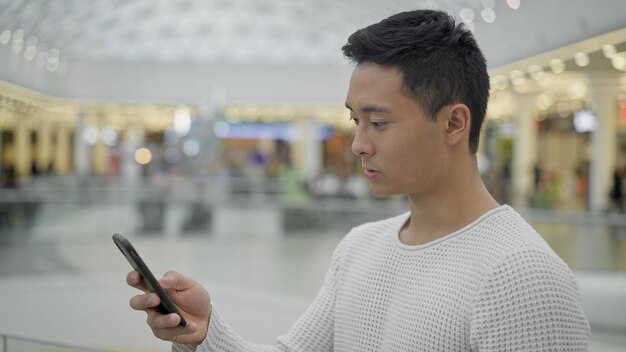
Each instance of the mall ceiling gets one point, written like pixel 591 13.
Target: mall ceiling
pixel 276 31
pixel 272 52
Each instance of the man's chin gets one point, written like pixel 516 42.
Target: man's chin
pixel 382 193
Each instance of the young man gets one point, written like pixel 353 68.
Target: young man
pixel 458 272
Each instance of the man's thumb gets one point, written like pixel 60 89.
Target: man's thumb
pixel 176 281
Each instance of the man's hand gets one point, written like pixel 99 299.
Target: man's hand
pixel 187 294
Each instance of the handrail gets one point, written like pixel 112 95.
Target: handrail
pixel 6 337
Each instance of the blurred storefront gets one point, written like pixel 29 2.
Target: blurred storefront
pixel 554 137
pixel 556 123
pixel 43 136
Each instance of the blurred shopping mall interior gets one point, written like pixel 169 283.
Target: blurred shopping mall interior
pixel 213 134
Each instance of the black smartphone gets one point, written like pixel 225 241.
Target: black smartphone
pixel 166 306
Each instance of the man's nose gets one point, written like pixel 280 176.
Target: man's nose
pixel 361 144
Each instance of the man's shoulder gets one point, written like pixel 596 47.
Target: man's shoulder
pixel 508 239
pixel 507 230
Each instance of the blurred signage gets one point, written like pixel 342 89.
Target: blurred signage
pixel 271 131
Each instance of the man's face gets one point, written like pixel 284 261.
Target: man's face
pixel 401 150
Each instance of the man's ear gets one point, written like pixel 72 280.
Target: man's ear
pixel 458 123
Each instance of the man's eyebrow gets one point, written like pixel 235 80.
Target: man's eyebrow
pixel 370 108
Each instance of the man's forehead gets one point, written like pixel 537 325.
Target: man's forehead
pixel 372 68
pixel 373 86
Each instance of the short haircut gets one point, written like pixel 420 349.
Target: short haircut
pixel 439 61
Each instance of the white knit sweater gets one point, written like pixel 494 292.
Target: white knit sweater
pixel 494 285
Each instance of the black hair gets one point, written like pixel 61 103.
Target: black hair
pixel 438 59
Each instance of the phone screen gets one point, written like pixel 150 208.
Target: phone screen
pixel 166 306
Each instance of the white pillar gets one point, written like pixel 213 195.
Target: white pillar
pixel 133 139
pixel 44 146
pixel 308 149
pixel 604 93
pixel 22 150
pixel 100 158
pixel 524 150
pixel 62 150
pixel 82 165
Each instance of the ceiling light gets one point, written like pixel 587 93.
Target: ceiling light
pixel 18 45
pixel 52 65
pixel 30 53
pixel 581 59
pixel 609 50
pixel 557 65
pixel 563 109
pixel 31 48
pixel 488 14
pixel 544 81
pixel 517 77
pixel 500 82
pixel 467 15
pixel 536 72
pixel 544 101
pixel 5 37
pixel 514 4
pixel 41 58
pixel 619 61
pixel 53 55
pixel 18 35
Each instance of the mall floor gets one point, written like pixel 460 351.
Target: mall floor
pixel 60 287
pixel 73 291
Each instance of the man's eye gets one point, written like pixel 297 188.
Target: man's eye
pixel 378 124
pixel 354 119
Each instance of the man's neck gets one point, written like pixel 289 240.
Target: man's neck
pixel 447 210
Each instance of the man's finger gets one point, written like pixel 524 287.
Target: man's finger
pixel 146 301
pixel 176 281
pixel 134 279
pixel 158 320
pixel 178 334
pixel 166 327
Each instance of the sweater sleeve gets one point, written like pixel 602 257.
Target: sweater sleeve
pixel 313 331
pixel 529 302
